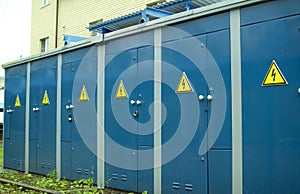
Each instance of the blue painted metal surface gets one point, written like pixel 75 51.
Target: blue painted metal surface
pixel 122 127
pixel 197 27
pixel 218 46
pixel 271 154
pixel 14 118
pixel 191 168
pixel 42 122
pixel 271 145
pixel 220 171
pixel 69 38
pixel 269 11
pixel 78 159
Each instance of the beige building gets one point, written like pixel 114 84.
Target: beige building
pixel 51 19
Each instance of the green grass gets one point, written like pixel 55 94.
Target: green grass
pixel 1 156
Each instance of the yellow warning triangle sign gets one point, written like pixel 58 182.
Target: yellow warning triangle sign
pixel 45 98
pixel 184 85
pixel 17 102
pixel 83 94
pixel 121 92
pixel 274 76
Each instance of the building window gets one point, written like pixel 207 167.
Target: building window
pixel 44 44
pixel 45 2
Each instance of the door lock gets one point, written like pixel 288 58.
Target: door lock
pixel 135 114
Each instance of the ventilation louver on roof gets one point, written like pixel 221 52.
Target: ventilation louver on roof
pixel 150 13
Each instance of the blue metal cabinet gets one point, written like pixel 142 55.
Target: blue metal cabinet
pixel 42 126
pixel 78 159
pixel 14 117
pixel 128 123
pixel 271 135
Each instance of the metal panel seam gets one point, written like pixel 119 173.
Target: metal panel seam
pixel 157 110
pixel 100 115
pixel 27 119
pixel 58 117
pixel 236 86
pixel 268 20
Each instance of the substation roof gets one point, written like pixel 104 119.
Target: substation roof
pixel 150 13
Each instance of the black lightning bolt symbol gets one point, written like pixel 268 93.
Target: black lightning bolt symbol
pixel 183 84
pixel 273 74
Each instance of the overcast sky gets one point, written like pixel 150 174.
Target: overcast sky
pixel 15 22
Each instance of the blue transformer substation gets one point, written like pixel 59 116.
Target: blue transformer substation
pixel 203 101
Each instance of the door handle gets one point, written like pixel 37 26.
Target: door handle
pixel 201 97
pixel 9 110
pixel 71 106
pixel 209 97
pixel 138 102
pixel 35 109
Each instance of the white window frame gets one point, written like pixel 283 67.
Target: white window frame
pixel 44 44
pixel 45 2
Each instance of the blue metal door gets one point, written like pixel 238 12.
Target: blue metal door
pixel 14 118
pixel 187 99
pixel 78 158
pixel 271 113
pixel 219 154
pixel 42 131
pixel 66 114
pixel 128 123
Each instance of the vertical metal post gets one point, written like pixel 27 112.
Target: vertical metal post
pixel 157 110
pixel 236 86
pixel 58 117
pixel 56 23
pixel 100 116
pixel 27 119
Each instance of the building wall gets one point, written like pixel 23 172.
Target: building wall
pixel 74 17
pixel 42 25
